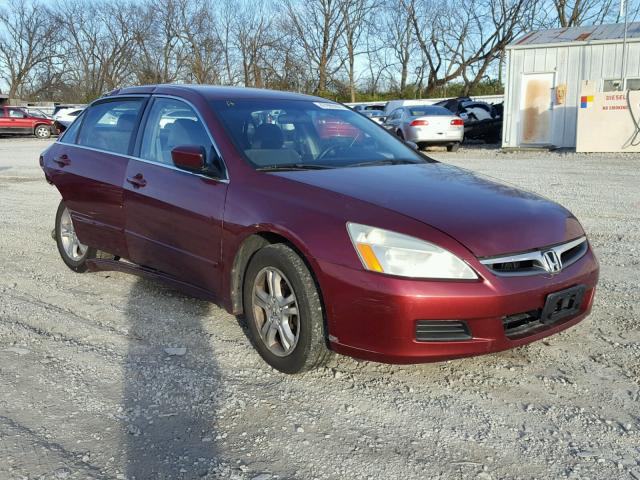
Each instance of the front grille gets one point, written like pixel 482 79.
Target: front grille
pixel 442 331
pixel 536 261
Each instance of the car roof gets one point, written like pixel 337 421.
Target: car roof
pixel 212 92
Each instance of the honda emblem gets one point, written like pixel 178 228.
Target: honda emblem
pixel 552 261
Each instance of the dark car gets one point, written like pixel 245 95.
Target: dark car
pixel 323 241
pixel 18 121
pixel 482 121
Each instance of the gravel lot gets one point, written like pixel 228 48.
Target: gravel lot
pixel 89 391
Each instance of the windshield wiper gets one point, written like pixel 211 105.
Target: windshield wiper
pixel 386 162
pixel 292 166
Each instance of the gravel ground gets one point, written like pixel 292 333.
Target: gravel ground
pixel 90 391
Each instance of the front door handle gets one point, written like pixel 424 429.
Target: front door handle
pixel 62 160
pixel 137 181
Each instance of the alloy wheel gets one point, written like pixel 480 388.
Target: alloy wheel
pixel 72 246
pixel 275 308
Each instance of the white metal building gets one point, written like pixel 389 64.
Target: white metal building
pixel 545 71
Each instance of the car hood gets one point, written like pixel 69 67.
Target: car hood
pixel 488 217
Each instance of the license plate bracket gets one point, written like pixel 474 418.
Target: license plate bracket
pixel 562 304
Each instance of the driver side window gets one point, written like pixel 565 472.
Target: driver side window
pixel 172 123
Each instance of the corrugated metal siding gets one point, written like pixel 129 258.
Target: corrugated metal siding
pixel 571 64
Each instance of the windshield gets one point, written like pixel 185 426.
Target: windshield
pixel 308 134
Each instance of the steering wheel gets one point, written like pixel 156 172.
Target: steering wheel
pixel 326 151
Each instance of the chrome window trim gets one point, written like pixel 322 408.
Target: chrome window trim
pixel 206 129
pixel 226 178
pixel 537 257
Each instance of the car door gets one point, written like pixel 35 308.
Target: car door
pixel 88 166
pixel 4 120
pixel 18 121
pixel 392 120
pixel 173 217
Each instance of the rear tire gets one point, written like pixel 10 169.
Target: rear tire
pixel 74 254
pixel 283 310
pixel 453 148
pixel 400 134
pixel 42 131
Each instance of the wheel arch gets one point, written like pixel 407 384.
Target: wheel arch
pixel 249 246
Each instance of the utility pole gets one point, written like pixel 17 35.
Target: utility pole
pixel 623 11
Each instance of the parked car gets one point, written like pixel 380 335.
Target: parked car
pixel 18 121
pixel 353 244
pixel 482 121
pixel 377 116
pixel 426 125
pixel 36 112
pixel 369 107
pixel 65 106
pixel 64 117
pixel 393 104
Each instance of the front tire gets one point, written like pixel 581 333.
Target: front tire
pixel 74 254
pixel 283 310
pixel 42 131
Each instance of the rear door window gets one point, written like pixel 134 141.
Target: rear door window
pixel 17 113
pixel 110 125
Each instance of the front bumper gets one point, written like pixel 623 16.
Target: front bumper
pixel 374 316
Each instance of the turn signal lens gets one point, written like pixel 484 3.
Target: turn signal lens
pixel 419 123
pixel 457 121
pixel 368 257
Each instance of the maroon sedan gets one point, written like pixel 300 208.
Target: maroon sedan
pixel 353 243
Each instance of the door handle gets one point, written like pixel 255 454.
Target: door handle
pixel 137 181
pixel 62 160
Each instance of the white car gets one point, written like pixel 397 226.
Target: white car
pixel 66 116
pixel 426 125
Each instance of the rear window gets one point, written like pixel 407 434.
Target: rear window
pixel 109 125
pixel 428 111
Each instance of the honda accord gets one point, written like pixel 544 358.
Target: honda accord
pixel 324 231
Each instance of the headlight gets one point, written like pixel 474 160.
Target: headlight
pixel 397 254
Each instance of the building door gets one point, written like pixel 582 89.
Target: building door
pixel 536 109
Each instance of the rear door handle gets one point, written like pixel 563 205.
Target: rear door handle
pixel 137 181
pixel 62 160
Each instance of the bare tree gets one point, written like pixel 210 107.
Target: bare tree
pixel 204 52
pixel 317 26
pixel 254 37
pixel 400 38
pixel 455 40
pixel 355 15
pixel 160 56
pixel 27 34
pixel 99 45
pixel 577 12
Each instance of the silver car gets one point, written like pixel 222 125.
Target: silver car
pixel 426 125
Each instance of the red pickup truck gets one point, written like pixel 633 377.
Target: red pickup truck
pixel 17 120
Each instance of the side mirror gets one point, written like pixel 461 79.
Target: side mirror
pixel 189 157
pixel 412 145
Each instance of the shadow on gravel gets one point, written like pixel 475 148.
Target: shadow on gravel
pixel 170 397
